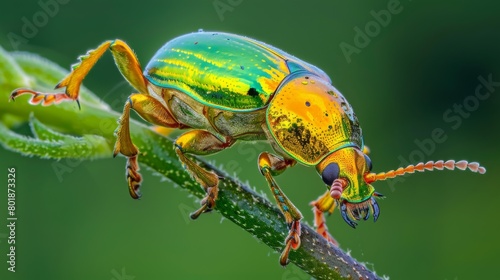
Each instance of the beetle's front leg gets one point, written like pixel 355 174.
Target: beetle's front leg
pixel 201 142
pixel 271 165
pixel 151 110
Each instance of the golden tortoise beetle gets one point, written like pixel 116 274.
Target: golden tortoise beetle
pixel 225 87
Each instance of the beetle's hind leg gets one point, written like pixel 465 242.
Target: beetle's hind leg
pixel 125 60
pixel 201 142
pixel 271 165
pixel 324 203
pixel 151 110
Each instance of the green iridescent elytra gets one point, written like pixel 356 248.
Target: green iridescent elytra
pixel 224 70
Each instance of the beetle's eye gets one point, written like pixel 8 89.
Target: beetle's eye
pixel 368 163
pixel 330 173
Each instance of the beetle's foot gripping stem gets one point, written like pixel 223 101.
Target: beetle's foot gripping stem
pixel 207 203
pixel 201 142
pixel 208 180
pixel 271 165
pixel 45 99
pixel 292 241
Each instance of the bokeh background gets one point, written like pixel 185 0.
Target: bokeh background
pixel 413 70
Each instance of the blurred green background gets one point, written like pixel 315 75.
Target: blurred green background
pixel 440 225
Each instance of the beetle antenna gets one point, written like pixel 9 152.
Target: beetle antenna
pixel 428 166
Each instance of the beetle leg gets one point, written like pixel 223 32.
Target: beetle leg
pixel 324 203
pixel 201 142
pixel 154 112
pixel 271 165
pixel 125 60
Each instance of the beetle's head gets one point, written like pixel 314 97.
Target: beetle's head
pixel 347 173
pixel 344 172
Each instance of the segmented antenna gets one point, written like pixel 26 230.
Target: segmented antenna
pixel 428 166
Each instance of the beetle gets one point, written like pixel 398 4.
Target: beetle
pixel 224 88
